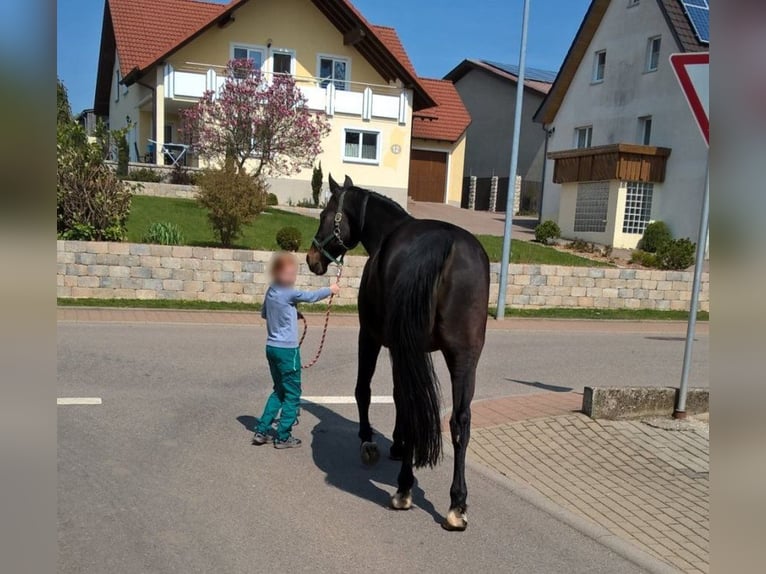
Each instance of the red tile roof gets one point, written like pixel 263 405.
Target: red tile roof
pixel 391 39
pixel 145 30
pixel 446 121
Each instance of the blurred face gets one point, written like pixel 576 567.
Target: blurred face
pixel 287 274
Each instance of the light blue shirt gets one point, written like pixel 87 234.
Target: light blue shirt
pixel 282 316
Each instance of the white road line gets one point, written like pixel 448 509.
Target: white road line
pixel 339 400
pixel 78 401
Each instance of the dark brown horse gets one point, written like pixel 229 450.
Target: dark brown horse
pixel 425 288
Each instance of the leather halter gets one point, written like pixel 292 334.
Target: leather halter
pixel 335 235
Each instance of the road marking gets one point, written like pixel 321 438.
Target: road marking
pixel 78 401
pixel 340 400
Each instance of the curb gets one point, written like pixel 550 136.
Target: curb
pixel 583 526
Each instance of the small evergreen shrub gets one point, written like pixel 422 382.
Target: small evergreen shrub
pixel 676 254
pixel 289 239
pixel 272 200
pixel 644 258
pixel 123 155
pixel 655 234
pixel 181 176
pixel 316 184
pixel 164 233
pixel 145 174
pixel 547 231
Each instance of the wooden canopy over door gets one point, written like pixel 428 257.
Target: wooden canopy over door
pixel 428 176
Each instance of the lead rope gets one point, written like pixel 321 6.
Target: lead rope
pixel 326 324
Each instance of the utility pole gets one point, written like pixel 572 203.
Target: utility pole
pixel 504 262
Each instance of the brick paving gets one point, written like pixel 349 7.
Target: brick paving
pixel 642 482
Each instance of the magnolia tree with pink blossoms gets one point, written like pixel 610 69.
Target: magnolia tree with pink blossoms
pixel 250 118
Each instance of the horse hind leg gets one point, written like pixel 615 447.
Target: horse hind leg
pixel 463 374
pixel 369 350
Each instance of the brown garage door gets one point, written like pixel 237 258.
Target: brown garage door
pixel 428 176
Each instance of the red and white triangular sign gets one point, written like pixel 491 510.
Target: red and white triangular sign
pixel 693 73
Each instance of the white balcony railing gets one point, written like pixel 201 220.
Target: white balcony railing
pixel 362 100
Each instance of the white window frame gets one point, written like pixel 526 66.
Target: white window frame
pixel 361 131
pixel 589 136
pixel 262 49
pixel 643 123
pixel 649 51
pixel 595 79
pixel 283 51
pixel 639 200
pixel 344 59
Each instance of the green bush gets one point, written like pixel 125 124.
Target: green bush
pixel 316 184
pixel 123 154
pixel 676 254
pixel 643 258
pixel 655 234
pixel 164 233
pixel 289 238
pixel 232 199
pixel 181 176
pixel 272 200
pixel 547 231
pixel 145 174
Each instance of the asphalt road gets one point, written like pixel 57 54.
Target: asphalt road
pixel 161 477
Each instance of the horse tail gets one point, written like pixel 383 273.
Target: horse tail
pixel 409 322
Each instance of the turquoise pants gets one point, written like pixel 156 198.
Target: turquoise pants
pixel 285 366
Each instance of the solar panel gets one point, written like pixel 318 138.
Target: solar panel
pixel 698 12
pixel 533 74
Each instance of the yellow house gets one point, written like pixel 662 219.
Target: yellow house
pixel 157 58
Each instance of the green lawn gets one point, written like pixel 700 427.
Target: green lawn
pixel 193 222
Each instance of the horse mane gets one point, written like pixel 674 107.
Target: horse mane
pixel 385 200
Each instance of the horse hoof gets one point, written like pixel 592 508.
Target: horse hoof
pixel 401 501
pixel 456 521
pixel 370 453
pixel 396 452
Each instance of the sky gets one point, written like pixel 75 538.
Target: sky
pixel 438 35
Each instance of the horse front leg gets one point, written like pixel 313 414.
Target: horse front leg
pixel 369 349
pixel 462 369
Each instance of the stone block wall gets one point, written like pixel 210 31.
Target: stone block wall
pixel 107 270
pixel 153 189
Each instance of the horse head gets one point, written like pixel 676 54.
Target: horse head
pixel 337 232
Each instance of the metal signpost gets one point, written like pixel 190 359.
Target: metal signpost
pixel 693 73
pixel 514 167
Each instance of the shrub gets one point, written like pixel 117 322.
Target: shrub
pixel 655 234
pixel 289 239
pixel 145 174
pixel 164 233
pixel 309 203
pixel 676 254
pixel 272 200
pixel 181 176
pixel 547 231
pixel 232 199
pixel 581 246
pixel 643 258
pixel 123 154
pixel 91 201
pixel 316 184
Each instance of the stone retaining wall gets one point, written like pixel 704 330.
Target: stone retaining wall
pixel 137 271
pixel 153 189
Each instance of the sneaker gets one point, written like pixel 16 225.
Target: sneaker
pixel 260 439
pixel 290 442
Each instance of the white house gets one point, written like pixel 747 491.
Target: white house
pixel 625 148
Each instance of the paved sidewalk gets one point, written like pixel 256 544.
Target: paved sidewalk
pixel 645 483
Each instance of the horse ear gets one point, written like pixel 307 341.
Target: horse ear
pixel 334 187
pixel 347 183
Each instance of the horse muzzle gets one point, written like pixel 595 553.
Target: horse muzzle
pixel 316 261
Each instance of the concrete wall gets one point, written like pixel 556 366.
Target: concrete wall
pixel 491 101
pixel 613 107
pixel 138 271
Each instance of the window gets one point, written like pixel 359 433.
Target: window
pixel 591 207
pixel 599 66
pixel 117 79
pixel 282 62
pixel 361 146
pixel 583 137
pixel 653 53
pixel 254 53
pixel 169 133
pixel 645 130
pixel 335 70
pixel 638 206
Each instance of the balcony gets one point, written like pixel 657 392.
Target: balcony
pixel 624 162
pixel 365 101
